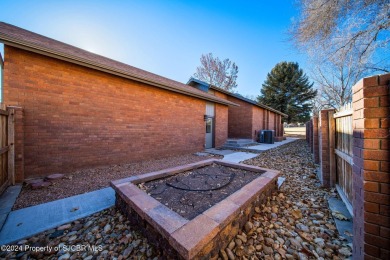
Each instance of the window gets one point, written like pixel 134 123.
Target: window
pixel 208 125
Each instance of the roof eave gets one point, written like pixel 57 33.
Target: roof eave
pixel 259 105
pixel 86 63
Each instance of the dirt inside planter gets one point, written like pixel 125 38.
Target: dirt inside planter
pixel 192 192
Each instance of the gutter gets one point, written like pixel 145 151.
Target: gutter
pixel 94 65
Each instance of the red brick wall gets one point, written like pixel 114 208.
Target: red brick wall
pixel 271 123
pixel 326 149
pixel 371 176
pixel 258 121
pixel 240 119
pixel 221 123
pixel 78 117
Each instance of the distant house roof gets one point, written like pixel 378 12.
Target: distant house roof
pixel 236 95
pixel 23 39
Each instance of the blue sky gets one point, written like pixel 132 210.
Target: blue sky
pixel 168 37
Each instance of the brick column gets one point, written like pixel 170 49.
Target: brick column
pixel 307 132
pixel 315 140
pixel 325 151
pixel 371 178
pixel 19 143
pixel 311 135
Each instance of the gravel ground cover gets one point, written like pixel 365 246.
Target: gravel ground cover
pixel 91 179
pixel 295 223
pixel 104 235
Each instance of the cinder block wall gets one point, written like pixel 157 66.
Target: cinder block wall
pixel 371 176
pixel 77 117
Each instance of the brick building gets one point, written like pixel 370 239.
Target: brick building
pixel 78 109
pixel 249 117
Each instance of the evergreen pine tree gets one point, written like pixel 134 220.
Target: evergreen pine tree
pixel 288 90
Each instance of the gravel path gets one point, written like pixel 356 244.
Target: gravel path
pixel 91 179
pixel 294 224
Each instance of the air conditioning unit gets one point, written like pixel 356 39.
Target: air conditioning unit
pixel 266 136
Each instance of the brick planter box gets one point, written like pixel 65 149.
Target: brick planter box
pixel 203 236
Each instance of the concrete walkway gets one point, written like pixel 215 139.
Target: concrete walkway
pixel 237 157
pixel 29 221
pixel 7 201
pixel 264 147
pixel 345 227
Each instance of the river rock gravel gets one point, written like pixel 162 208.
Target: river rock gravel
pixel 104 235
pixel 295 223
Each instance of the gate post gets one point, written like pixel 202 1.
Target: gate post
pixel 11 145
pixel 16 116
pixel 326 145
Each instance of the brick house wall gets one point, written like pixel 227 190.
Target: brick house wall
pixel 371 204
pixel 247 119
pixel 271 121
pixel 221 122
pixel 240 119
pixel 77 117
pixel 258 121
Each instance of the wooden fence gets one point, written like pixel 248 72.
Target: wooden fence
pixel 7 152
pixel 331 141
pixel 344 151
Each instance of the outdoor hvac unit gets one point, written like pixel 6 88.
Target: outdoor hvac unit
pixel 266 136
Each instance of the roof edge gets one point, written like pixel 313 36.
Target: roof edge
pixel 94 65
pixel 192 79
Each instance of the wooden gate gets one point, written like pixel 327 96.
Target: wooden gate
pixel 7 152
pixel 344 152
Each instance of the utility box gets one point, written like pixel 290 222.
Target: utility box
pixel 266 136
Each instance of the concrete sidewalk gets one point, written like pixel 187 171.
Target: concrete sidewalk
pixel 7 201
pixel 238 157
pixel 29 221
pixel 264 147
pixel 252 151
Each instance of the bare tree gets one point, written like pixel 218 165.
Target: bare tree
pixel 335 78
pixel 336 27
pixel 219 73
